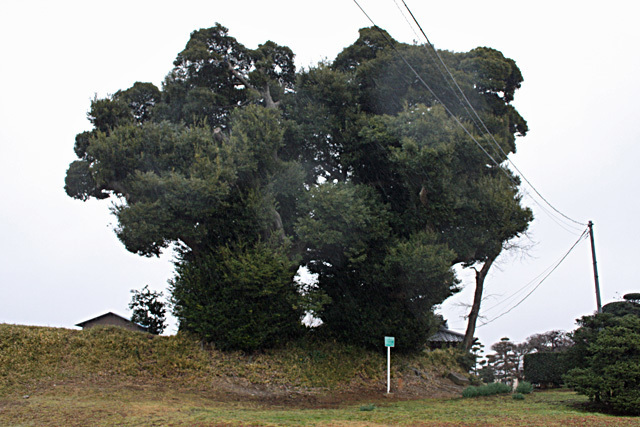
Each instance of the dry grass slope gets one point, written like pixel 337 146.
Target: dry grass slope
pixel 36 358
pixel 109 377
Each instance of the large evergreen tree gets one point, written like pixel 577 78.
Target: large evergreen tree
pixel 196 165
pixel 352 168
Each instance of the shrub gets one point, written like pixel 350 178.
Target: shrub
pixel 518 396
pixel 239 298
pixel 622 308
pixel 467 360
pixel 524 387
pixel 486 390
pixel 497 388
pixel 607 362
pixel 471 391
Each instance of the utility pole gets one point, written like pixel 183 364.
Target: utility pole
pixel 595 268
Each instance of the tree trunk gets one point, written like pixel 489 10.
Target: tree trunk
pixel 268 100
pixel 477 299
pixel 265 92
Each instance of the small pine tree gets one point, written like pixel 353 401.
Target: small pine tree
pixel 148 310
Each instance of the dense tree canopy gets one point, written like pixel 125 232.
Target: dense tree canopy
pixel 606 360
pixel 630 305
pixel 365 120
pixel 352 169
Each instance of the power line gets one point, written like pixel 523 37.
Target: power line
pixel 558 220
pixel 519 291
pixel 442 73
pixel 421 80
pixel 486 130
pixel 582 237
pixel 455 118
pixel 483 130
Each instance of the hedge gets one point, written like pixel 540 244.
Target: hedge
pixel 545 368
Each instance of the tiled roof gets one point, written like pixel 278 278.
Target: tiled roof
pixel 446 335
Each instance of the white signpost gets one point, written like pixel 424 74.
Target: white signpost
pixel 389 342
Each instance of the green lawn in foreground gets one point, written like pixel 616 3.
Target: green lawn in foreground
pixel 126 407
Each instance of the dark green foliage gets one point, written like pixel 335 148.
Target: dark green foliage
pixel 148 310
pixel 215 74
pixel 383 289
pixel 524 387
pixel 467 361
pixel 622 308
pixel 140 98
pixel 384 129
pixel 505 362
pixel 241 297
pixel 606 357
pixel 633 297
pixel 486 390
pixel 472 358
pixel 371 42
pixel 518 396
pixel 546 368
pixel 107 114
pixel 487 374
pixel 80 183
pixel 351 168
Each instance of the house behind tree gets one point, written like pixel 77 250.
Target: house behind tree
pixel 445 338
pixel 111 319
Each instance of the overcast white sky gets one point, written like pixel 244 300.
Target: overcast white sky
pixel 61 263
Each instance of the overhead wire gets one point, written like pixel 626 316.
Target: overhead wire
pixel 558 221
pixel 506 300
pixel 566 226
pixel 436 97
pixel 421 80
pixel 484 129
pixel 583 236
pixel 500 153
pixel 442 73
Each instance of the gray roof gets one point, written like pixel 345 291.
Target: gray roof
pixel 112 315
pixel 93 319
pixel 446 335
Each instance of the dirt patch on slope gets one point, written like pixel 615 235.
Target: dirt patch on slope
pixel 408 386
pixel 411 385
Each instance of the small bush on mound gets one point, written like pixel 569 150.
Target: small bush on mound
pixel 486 390
pixel 369 407
pixel 518 396
pixel 524 387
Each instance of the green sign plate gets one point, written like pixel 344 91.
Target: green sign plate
pixel 389 341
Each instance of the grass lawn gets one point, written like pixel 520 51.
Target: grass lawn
pixel 138 406
pixel 114 377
